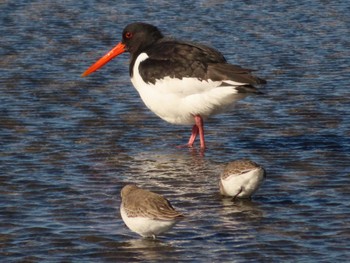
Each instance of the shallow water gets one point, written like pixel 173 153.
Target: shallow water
pixel 69 144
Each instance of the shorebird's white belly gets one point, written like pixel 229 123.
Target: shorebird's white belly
pixel 243 185
pixel 177 100
pixel 145 226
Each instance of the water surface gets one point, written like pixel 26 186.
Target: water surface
pixel 68 144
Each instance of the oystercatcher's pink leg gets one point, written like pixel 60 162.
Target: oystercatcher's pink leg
pixel 193 135
pixel 199 123
pixel 197 128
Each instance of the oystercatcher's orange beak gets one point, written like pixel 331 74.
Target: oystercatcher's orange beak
pixel 117 50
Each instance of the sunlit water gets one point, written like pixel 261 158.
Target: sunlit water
pixel 68 144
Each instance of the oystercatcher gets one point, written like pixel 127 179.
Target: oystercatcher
pixel 147 213
pixel 182 82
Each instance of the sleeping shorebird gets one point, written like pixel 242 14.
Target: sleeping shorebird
pixel 241 179
pixel 147 213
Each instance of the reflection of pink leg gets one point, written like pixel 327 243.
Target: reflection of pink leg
pixel 193 135
pixel 199 123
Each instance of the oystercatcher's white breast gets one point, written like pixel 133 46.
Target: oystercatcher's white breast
pixel 177 100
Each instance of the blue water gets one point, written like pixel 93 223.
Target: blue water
pixel 69 144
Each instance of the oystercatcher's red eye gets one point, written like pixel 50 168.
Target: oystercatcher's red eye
pixel 128 35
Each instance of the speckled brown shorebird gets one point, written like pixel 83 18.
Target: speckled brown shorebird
pixel 147 213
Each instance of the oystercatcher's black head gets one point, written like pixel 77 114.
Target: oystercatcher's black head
pixel 136 37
